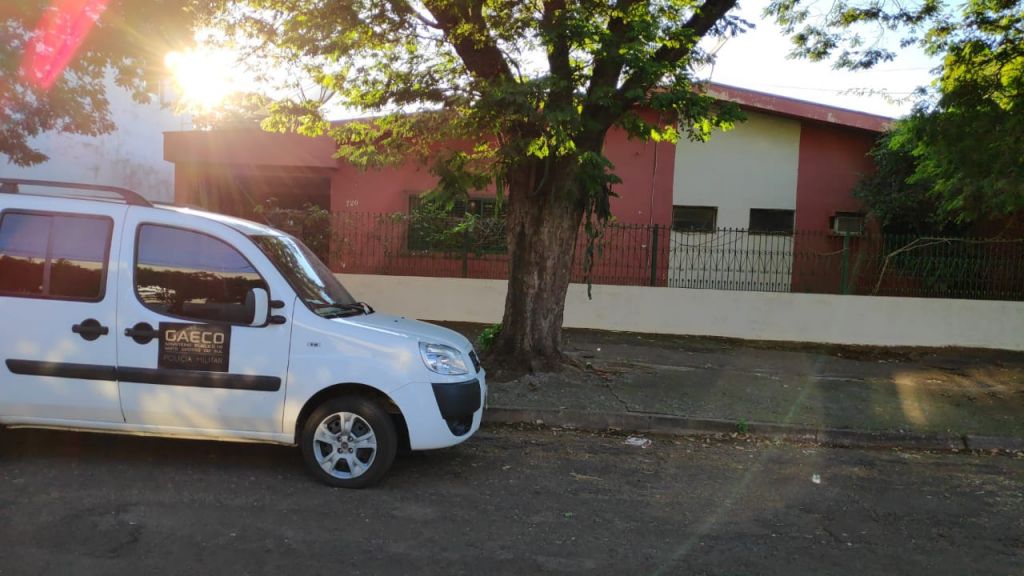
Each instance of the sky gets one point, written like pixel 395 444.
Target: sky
pixel 757 60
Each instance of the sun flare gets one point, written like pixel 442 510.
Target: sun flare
pixel 203 77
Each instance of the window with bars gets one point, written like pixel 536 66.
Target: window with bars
pixel 694 218
pixel 485 207
pixel 771 221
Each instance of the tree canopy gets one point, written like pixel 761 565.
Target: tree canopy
pixel 958 157
pixel 55 58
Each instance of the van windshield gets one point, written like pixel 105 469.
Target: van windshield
pixel 308 276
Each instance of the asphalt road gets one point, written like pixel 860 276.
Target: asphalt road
pixel 508 502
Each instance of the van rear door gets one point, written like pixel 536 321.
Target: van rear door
pixel 58 294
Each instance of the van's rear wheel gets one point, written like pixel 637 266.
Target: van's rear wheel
pixel 349 442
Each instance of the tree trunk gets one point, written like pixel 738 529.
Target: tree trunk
pixel 543 218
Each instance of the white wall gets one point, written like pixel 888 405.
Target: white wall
pixel 132 156
pixel 752 166
pixel 827 318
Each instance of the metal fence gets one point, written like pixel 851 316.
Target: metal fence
pixel 726 259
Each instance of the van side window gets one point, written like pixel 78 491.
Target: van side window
pixel 191 275
pixel 53 255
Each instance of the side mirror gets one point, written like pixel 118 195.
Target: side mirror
pixel 257 305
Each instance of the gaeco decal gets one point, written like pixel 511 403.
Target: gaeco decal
pixel 194 336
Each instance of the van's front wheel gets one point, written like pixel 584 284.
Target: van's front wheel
pixel 349 442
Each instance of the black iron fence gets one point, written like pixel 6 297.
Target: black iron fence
pixel 726 259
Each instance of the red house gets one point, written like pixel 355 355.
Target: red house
pixel 790 166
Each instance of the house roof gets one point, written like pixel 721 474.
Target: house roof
pixel 802 109
pixel 256 147
pixel 250 146
pixel 775 104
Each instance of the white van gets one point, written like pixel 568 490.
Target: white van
pixel 121 316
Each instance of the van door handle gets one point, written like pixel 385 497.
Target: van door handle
pixel 142 333
pixel 90 329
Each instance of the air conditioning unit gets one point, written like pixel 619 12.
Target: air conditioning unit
pixel 848 224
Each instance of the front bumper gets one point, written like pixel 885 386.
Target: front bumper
pixel 442 414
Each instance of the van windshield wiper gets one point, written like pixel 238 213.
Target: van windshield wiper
pixel 337 309
pixel 360 306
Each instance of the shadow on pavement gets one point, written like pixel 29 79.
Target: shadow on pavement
pixel 924 391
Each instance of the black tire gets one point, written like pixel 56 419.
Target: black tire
pixel 318 455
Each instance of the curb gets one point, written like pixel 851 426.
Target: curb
pixel 683 426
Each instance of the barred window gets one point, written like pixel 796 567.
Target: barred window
pixel 771 221
pixel 694 218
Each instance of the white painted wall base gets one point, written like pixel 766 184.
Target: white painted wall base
pixel 867 320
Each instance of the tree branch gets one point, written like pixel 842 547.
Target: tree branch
pixel 558 50
pixel 426 21
pixel 608 61
pixel 477 49
pixel 639 83
pixel 702 21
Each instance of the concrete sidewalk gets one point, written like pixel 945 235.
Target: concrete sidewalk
pixel 924 398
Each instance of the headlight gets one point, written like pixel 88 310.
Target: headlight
pixel 443 359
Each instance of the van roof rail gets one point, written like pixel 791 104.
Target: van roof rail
pixel 13 186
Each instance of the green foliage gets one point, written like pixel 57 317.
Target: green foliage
pixel 128 42
pixel 852 32
pixel 487 337
pixel 442 225
pixel 959 159
pixel 458 173
pixel 899 206
pixel 596 180
pixel 969 143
